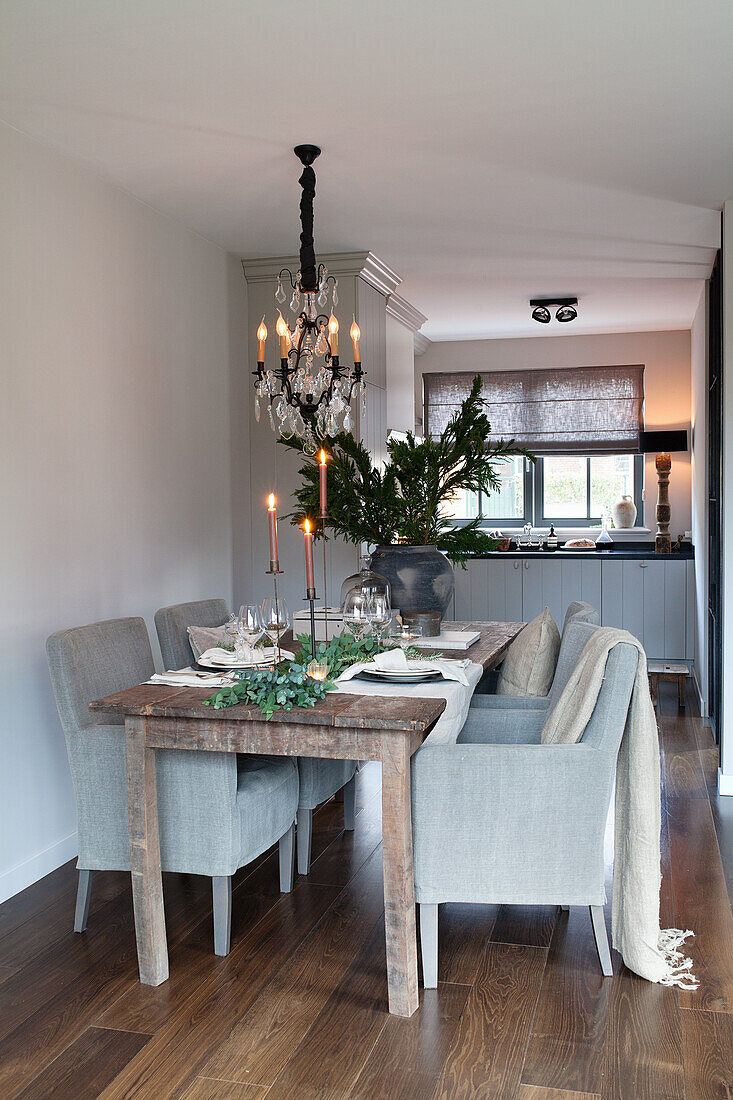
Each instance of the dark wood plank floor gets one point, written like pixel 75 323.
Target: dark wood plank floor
pixel 298 1009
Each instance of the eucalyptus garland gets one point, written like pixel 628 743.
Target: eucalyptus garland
pixel 289 685
pixel 272 689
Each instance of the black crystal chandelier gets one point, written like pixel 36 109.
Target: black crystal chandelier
pixel 310 393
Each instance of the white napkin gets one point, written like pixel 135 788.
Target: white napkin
pixel 189 677
pixel 225 658
pixel 394 660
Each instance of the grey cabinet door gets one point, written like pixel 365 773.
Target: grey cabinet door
pixel 489 590
pixel 649 599
pixel 554 583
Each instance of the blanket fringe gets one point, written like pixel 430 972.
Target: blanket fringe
pixel 670 940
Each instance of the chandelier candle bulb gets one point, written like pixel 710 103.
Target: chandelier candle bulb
pixel 323 484
pixel 272 522
pixel 310 582
pixel 282 331
pixel 355 334
pixel 333 334
pixel 261 337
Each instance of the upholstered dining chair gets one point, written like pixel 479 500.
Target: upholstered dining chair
pixel 500 818
pixel 577 612
pixel 320 779
pixel 217 811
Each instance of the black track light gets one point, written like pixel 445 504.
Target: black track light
pixel 542 314
pixel 566 310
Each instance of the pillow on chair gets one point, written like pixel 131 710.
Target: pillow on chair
pixel 202 638
pixel 529 665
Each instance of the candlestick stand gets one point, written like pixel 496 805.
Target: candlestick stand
pixel 274 571
pixel 325 585
pixel 310 595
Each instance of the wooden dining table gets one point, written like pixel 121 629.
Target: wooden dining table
pixel 343 727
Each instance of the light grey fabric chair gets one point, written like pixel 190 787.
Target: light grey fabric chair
pixel 320 779
pixel 577 612
pixel 172 623
pixel 217 811
pixel 501 818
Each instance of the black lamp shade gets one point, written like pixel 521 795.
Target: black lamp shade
pixel 662 442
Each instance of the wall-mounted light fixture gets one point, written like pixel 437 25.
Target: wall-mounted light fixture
pixel 566 310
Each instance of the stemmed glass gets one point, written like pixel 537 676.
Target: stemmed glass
pixel 249 629
pixel 356 613
pixel 275 620
pixel 405 634
pixel 379 614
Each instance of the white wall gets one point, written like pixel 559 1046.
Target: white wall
pixel 725 778
pixel 665 355
pixel 699 406
pixel 114 428
pixel 400 376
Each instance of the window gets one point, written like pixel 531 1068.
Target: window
pixel 567 490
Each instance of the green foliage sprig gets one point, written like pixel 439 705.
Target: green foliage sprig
pixel 409 498
pixel 272 689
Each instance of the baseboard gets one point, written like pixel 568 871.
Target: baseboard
pixel 725 783
pixel 700 698
pixel 30 870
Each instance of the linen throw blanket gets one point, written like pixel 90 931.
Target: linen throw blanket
pixel 649 951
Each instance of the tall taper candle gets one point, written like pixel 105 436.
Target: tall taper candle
pixel 322 485
pixel 272 521
pixel 355 334
pixel 261 337
pixel 310 582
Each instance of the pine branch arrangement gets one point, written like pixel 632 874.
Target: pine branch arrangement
pixel 406 501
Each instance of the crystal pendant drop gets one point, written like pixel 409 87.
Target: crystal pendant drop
pixel 257 409
pixel 347 419
pixel 335 292
pixel 279 293
pixel 295 301
pixel 323 295
pixel 269 413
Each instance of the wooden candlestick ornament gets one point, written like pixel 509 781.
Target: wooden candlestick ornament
pixel 663 541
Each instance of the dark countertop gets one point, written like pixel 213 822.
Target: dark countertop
pixel 620 552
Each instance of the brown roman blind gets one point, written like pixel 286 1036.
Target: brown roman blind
pixel 568 410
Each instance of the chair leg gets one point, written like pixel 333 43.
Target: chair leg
pixel 83 896
pixel 286 846
pixel 599 931
pixel 221 886
pixel 349 790
pixel 305 832
pixel 429 944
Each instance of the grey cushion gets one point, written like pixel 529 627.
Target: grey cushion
pixel 207 824
pixel 574 642
pixel 172 625
pixel 499 817
pixel 578 611
pixel 529 665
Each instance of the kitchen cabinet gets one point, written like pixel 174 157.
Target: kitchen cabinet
pixel 654 600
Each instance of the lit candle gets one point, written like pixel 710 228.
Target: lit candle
pixel 309 575
pixel 261 337
pixel 282 331
pixel 272 521
pixel 322 483
pixel 333 334
pixel 355 334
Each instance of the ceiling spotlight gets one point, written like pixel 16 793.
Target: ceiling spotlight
pixel 541 309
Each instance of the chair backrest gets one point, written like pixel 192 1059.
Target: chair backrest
pixel 606 726
pixel 89 662
pixel 580 612
pixel 575 636
pixel 172 625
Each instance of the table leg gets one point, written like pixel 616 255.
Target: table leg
pixel 147 880
pixel 399 880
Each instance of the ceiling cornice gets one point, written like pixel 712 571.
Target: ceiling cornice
pixel 364 265
pixel 422 343
pixel 404 312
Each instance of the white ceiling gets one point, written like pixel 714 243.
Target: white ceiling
pixel 487 152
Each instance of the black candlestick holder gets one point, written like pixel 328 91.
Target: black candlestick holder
pixel 310 595
pixel 274 571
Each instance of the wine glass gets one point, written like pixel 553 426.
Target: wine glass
pixel 379 613
pixel 275 619
pixel 405 634
pixel 250 627
pixel 355 613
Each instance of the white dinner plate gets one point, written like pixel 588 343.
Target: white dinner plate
pixel 208 664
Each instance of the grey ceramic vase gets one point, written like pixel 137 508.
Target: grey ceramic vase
pixel 421 576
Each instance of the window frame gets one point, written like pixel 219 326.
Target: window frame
pixel 534 500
